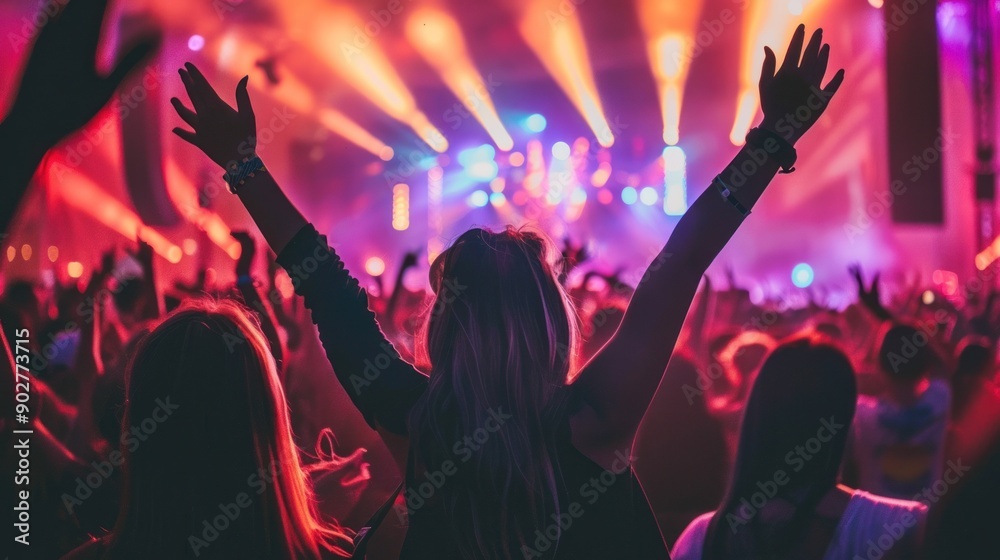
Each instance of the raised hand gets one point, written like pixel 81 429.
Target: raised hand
pixel 248 249
pixel 792 97
pixel 226 135
pixel 870 297
pixel 61 90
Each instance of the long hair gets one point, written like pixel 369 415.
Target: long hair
pixel 803 387
pixel 211 470
pixel 500 341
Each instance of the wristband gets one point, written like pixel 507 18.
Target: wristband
pixel 785 155
pixel 729 197
pixel 246 169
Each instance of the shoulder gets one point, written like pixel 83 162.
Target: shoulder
pixel 692 540
pixel 888 511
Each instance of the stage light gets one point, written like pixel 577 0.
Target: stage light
pixel 601 175
pixel 497 185
pixel 235 54
pixel 478 199
pixel 11 253
pixel 196 43
pixel 560 150
pixel 535 123
pixel 82 193
pixel 26 252
pixel 482 170
pixel 438 38
pixel 674 181
pixel 189 246
pixel 802 275
pixel 53 253
pixel 579 196
pixel 469 156
pixel 498 199
pixel 374 266
pixel 535 168
pixel 876 3
pixel 928 297
pixel 795 7
pixel 516 159
pixel 629 195
pixel 605 197
pixel 670 30
pixel 400 207
pixel 334 35
pixel 556 37
pixel 648 196
pixel 74 269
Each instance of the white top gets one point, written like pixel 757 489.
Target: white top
pixel 900 450
pixel 869 523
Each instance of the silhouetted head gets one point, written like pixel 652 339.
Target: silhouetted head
pixel 904 354
pixel 501 338
pixel 975 358
pixel 795 426
pixel 211 470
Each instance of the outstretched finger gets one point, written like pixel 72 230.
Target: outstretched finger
pixel 822 61
pixel 811 53
pixel 767 70
pixel 187 115
pixel 201 84
pixel 834 84
pixel 794 52
pixel 243 97
pixel 187 136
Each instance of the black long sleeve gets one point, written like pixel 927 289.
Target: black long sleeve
pixel 381 384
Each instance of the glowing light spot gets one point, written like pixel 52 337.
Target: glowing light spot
pixel 26 252
pixel 535 123
pixel 876 3
pixel 174 254
pixel 629 195
pixel 74 269
pixel 605 197
pixel 479 199
pixel 189 246
pixel 196 43
pixel 498 199
pixel 516 159
pixel 53 253
pixel 648 196
pixel 497 185
pixel 401 207
pixel 11 253
pixel 560 150
pixel 802 275
pixel 374 266
pixel 928 297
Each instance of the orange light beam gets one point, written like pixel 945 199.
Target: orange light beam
pixel 439 40
pixel 185 197
pixel 82 193
pixel 555 35
pixel 334 38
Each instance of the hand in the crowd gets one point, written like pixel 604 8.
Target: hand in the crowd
pixel 248 249
pixel 61 90
pixel 795 90
pixel 409 260
pixel 226 135
pixel 869 297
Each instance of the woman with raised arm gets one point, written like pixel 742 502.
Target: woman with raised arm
pixel 514 451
